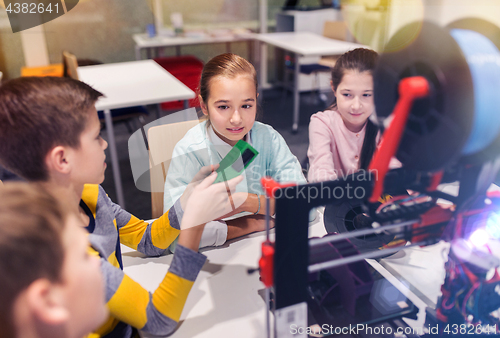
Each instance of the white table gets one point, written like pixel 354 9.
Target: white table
pixel 129 84
pixel 226 301
pixel 224 297
pixel 304 44
pixel 143 41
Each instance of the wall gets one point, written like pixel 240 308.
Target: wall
pixel 11 53
pixel 445 11
pixel 102 29
pixel 373 22
pixel 224 13
pixel 441 12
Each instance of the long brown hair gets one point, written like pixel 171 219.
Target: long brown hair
pixel 359 60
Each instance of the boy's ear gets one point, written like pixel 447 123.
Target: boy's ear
pixel 58 160
pixel 47 303
pixel 203 106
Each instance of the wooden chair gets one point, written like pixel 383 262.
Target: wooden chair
pixel 162 140
pixel 70 64
pixel 334 30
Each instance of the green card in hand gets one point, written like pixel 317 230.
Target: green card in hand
pixel 238 158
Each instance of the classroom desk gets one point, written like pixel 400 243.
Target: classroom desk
pixel 304 44
pixel 129 84
pixel 143 41
pixel 226 301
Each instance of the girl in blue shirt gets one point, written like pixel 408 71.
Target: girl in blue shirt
pixel 228 99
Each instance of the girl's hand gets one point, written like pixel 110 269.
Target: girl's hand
pixel 251 204
pixel 245 225
pixel 197 179
pixel 209 201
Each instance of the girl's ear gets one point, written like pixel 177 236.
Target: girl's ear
pixel 203 106
pixel 333 89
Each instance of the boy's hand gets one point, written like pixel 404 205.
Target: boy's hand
pixel 197 179
pixel 209 201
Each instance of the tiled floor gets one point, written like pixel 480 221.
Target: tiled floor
pixel 276 110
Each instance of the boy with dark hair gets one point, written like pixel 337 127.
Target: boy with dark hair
pixel 50 133
pixel 50 286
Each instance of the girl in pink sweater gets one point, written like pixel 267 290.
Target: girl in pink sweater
pixel 342 139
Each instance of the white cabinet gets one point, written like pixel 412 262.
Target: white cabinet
pixel 307 21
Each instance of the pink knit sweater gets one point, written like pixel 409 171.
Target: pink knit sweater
pixel 334 150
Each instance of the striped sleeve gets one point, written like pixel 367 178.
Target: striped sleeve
pixel 158 313
pixel 170 297
pixel 151 239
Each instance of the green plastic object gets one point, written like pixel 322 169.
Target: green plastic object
pixel 238 158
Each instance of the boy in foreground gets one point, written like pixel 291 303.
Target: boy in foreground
pixel 49 286
pixel 50 134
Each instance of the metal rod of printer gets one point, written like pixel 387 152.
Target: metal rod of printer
pixel 351 259
pixel 329 239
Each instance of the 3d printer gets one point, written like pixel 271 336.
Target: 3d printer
pixel 438 92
